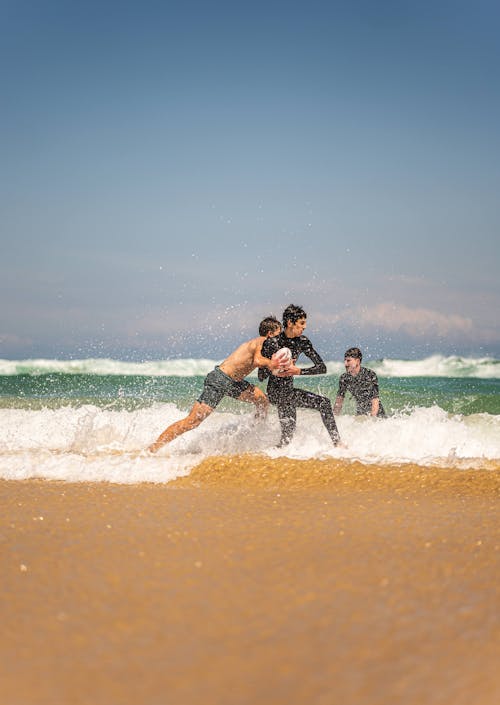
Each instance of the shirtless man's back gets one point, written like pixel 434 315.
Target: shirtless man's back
pixel 227 379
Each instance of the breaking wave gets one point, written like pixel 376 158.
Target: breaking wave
pixel 433 366
pixel 89 443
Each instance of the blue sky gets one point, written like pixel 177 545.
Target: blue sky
pixel 174 171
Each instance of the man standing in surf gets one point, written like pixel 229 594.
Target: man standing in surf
pixel 227 379
pixel 363 385
pixel 280 389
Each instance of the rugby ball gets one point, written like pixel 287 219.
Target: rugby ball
pixel 283 355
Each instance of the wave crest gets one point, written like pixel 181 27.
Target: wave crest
pixel 432 366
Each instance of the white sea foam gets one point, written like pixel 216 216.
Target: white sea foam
pixel 439 366
pixel 433 366
pixel 93 444
pixel 188 367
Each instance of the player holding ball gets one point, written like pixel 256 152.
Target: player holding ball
pixel 280 388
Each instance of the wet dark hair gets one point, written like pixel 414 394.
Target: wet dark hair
pixel 354 352
pixel 267 325
pixel 292 313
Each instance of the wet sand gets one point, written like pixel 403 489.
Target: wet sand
pixel 253 581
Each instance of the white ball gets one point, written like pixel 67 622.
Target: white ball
pixel 283 355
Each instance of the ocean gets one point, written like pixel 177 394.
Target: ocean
pixel 91 420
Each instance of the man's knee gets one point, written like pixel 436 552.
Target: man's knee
pixel 256 396
pixel 198 414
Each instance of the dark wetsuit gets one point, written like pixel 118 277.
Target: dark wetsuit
pixel 286 397
pixel 364 388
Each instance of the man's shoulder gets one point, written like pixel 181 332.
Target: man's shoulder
pixel 304 341
pixel 368 374
pixel 346 379
pixel 250 345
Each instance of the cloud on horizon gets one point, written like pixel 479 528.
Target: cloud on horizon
pixel 413 322
pixel 212 330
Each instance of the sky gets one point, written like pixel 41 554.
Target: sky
pixel 172 172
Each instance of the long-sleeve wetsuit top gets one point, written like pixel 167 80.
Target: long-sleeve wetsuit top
pixel 279 386
pixel 363 387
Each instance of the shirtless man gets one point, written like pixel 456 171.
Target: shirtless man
pixel 227 379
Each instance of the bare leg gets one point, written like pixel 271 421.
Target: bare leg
pixel 256 396
pixel 198 413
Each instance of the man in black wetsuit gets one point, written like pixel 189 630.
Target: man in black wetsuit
pixel 363 385
pixel 280 389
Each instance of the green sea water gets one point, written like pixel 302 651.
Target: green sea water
pixel 456 395
pixel 92 420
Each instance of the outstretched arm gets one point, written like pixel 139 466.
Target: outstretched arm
pixel 261 361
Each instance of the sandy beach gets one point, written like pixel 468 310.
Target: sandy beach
pixel 275 582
